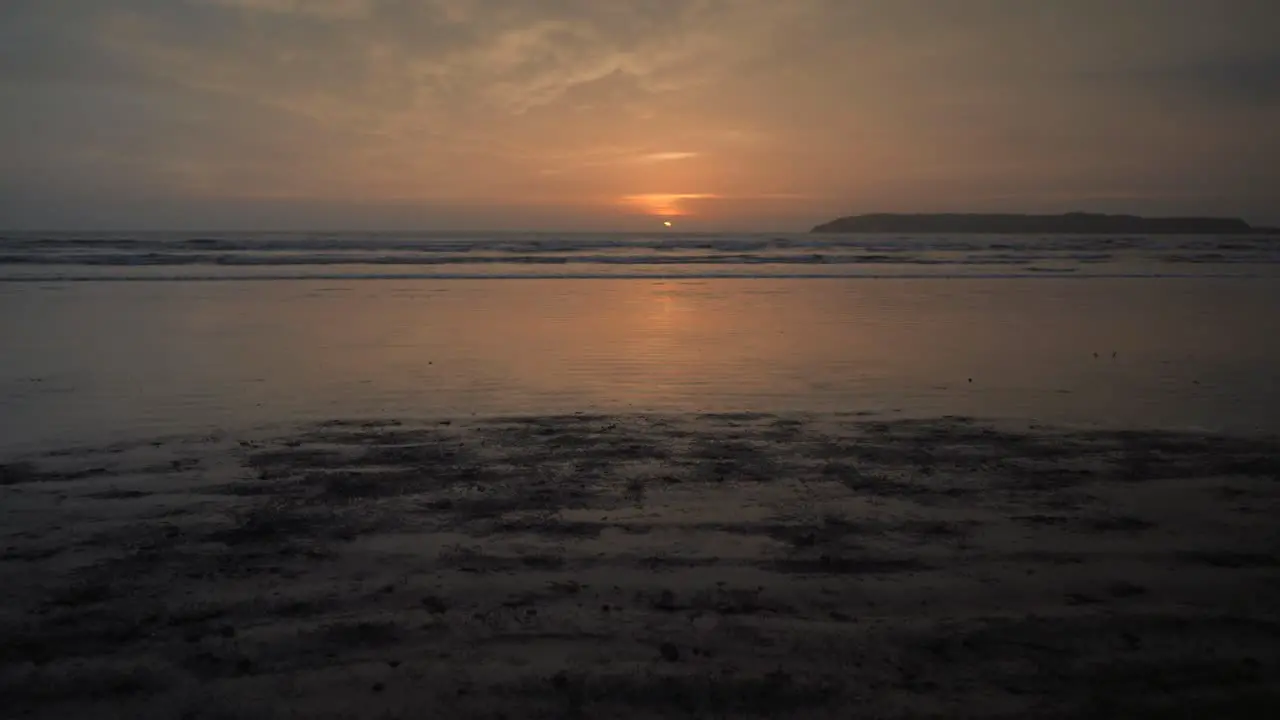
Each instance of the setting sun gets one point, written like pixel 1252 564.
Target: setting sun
pixel 666 223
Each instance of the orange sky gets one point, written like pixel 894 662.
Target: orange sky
pixel 717 114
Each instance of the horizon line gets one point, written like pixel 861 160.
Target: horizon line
pixel 1266 225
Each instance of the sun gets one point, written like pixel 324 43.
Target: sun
pixel 666 223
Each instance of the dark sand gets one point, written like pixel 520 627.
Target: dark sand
pixel 645 567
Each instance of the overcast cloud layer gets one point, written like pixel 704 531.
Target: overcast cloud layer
pixel 720 114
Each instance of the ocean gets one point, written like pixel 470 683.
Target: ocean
pixel 191 256
pixel 1169 331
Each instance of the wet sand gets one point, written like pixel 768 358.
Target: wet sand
pixel 644 567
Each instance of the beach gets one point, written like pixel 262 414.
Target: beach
pixel 707 359
pixel 692 565
pixel 228 493
pixel 130 359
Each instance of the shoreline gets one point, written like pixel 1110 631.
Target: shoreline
pixel 778 565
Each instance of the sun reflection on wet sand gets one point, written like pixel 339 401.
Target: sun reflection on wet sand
pixel 230 354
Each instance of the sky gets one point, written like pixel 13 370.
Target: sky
pixel 621 114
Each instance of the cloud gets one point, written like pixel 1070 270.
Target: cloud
pixel 665 204
pixel 507 103
pixel 334 9
pixel 1221 83
pixel 666 156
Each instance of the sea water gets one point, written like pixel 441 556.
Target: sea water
pixel 117 336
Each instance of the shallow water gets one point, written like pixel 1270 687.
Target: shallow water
pixel 100 362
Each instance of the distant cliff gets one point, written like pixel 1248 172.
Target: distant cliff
pixel 1070 223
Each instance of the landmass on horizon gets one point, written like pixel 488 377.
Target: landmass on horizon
pixel 1080 223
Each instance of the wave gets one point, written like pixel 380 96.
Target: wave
pixel 45 256
pixel 144 259
pixel 1030 273
pixel 576 242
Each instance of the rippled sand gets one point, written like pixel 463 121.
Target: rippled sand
pixel 644 566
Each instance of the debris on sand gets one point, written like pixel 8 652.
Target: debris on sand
pixel 660 566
